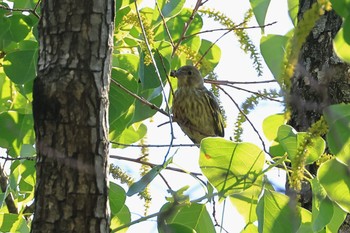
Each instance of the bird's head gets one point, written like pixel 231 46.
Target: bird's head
pixel 188 76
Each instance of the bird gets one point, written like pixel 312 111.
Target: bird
pixel 195 108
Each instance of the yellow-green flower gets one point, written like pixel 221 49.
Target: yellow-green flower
pixel 195 108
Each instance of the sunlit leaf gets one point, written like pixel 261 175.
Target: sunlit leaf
pixel 341 47
pixel 230 167
pixel 117 197
pixel 271 124
pixel 260 9
pixel 194 216
pixel 121 218
pixel 276 214
pixel 273 49
pixel 293 7
pixel 20 66
pixel 338 136
pixel 336 183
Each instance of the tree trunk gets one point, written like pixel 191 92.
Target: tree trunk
pixel 320 79
pixel 70 108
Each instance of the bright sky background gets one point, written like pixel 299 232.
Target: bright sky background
pixel 234 65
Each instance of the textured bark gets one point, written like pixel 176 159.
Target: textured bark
pixel 70 109
pixel 321 79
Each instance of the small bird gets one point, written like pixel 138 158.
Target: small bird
pixel 195 108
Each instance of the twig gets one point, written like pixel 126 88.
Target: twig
pixel 167 77
pixel 187 25
pixel 230 29
pixel 165 26
pixel 32 11
pixel 256 93
pixel 18 158
pixel 207 51
pixel 10 203
pixel 247 118
pixel 141 99
pixel 159 77
pixel 150 145
pixel 226 82
pixel 152 164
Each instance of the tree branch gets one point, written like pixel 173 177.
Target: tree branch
pixel 153 165
pixel 10 203
pixel 32 11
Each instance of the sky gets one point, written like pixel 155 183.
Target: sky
pixel 234 65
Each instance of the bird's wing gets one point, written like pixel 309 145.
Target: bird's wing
pixel 216 113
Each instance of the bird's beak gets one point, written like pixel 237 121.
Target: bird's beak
pixel 173 73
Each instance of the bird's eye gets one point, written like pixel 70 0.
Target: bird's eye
pixel 189 72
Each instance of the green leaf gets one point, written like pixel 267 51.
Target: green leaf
pixel 341 7
pixel 260 9
pixel 273 49
pixel 338 136
pixel 212 55
pixel 176 24
pixel 131 134
pixel 341 47
pixel 194 216
pixel 334 177
pixel 123 217
pixel 293 8
pixel 117 198
pixel 147 72
pixel 15 130
pixel 13 223
pixel 29 4
pixel 246 202
pixel 121 106
pixel 275 214
pixel 170 8
pixel 287 137
pixel 140 185
pixel 20 66
pixel 322 207
pixel 314 149
pixel 219 160
pixel 346 28
pixel 337 220
pixel 177 227
pixel 15 28
pixel 271 124
pixel 143 111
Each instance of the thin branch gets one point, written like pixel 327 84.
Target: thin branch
pixel 167 77
pixel 151 145
pixel 141 99
pixel 247 118
pixel 153 165
pixel 159 77
pixel 10 202
pixel 32 11
pixel 226 82
pixel 165 26
pixel 18 158
pixel 256 93
pixel 207 51
pixel 230 29
pixel 142 219
pixel 187 24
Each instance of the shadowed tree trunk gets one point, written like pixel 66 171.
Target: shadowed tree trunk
pixel 320 79
pixel 70 109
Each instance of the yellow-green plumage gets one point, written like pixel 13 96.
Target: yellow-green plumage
pixel 195 108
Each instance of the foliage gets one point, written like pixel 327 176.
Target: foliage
pixel 148 43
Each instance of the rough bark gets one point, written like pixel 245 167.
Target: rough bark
pixel 70 108
pixel 320 79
